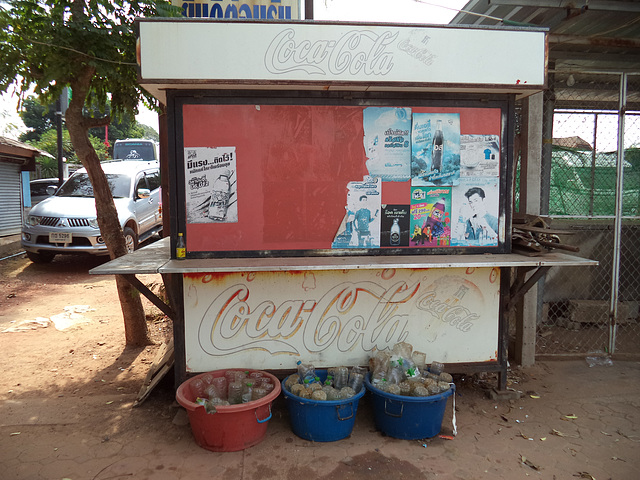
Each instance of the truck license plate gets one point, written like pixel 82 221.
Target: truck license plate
pixel 59 237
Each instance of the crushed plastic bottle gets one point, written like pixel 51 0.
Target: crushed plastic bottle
pixel 599 361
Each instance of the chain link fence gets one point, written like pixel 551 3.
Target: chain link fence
pixel 581 181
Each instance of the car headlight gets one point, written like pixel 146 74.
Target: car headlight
pixel 93 223
pixel 33 220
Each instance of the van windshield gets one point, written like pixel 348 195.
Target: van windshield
pixel 134 151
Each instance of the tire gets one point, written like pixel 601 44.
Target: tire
pixel 42 257
pixel 130 239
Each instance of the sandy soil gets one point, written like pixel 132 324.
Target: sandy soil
pixel 89 355
pixel 66 399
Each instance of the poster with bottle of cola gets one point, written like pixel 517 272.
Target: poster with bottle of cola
pixel 210 184
pixel 435 149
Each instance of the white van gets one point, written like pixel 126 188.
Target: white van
pixel 136 149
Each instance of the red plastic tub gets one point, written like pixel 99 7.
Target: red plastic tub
pixel 233 427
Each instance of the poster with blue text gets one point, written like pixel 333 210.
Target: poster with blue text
pixel 387 142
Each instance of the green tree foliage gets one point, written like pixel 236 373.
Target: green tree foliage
pixel 90 47
pixel 38 118
pixel 48 142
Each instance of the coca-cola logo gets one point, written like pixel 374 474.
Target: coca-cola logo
pixel 349 315
pixel 356 52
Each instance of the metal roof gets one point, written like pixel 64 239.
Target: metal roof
pixel 591 42
pixel 584 35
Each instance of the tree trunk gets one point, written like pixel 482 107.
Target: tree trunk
pixel 136 331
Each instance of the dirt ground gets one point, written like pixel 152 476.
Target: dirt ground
pixel 66 407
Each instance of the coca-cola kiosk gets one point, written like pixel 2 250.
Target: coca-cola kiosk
pixel 339 188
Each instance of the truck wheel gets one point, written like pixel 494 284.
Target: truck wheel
pixel 130 239
pixel 42 257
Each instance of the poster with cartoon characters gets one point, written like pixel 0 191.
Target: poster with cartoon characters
pixel 211 185
pixel 387 142
pixel 430 217
pixel 435 149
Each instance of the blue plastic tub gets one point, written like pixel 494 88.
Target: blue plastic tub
pixel 408 418
pixel 321 421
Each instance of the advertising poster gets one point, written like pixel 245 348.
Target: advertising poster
pixel 475 212
pixel 339 317
pixel 394 226
pixel 387 142
pixel 479 155
pixel 360 227
pixel 435 149
pixel 430 217
pixel 210 185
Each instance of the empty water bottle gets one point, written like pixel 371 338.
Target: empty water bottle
pixel 247 392
pixel 341 377
pixel 234 394
pixel 356 380
pixel 258 392
pixel 306 371
pixel 198 388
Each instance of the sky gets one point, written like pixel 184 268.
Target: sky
pixel 387 11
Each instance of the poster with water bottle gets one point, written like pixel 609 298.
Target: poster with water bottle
pixel 475 214
pixel 211 191
pixel 435 149
pixel 387 142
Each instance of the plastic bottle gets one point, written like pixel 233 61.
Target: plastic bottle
pixel 319 395
pixel 291 380
pixel 329 381
pixel 235 393
pixel 347 392
pixel 436 368
pixel 247 392
pixel 268 387
pixel 306 372
pixel 356 380
pixel 258 392
pixel 198 387
pixel 220 194
pixel 341 377
pixel 220 386
pixel 395 233
pixel 181 247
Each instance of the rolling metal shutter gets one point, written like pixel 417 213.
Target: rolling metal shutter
pixel 10 199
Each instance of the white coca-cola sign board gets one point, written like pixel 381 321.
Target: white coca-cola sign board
pixel 273 319
pixel 249 53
